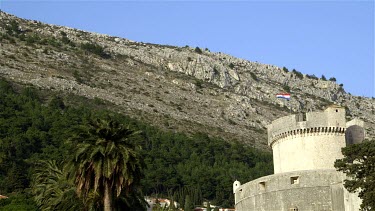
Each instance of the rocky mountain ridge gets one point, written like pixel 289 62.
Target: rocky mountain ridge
pixel 182 89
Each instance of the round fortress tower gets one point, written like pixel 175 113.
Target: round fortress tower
pixel 307 141
pixel 305 147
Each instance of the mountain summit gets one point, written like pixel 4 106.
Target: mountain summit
pixel 185 89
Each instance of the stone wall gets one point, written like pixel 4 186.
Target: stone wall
pixel 307 151
pixel 305 190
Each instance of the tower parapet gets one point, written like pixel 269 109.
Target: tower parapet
pixel 331 120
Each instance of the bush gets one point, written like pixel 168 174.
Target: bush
pixel 198 50
pixel 285 69
pixel 95 49
pixel 286 88
pixel 323 78
pixel 31 39
pixel 332 79
pixel 231 65
pixel 13 28
pixel 311 76
pixel 298 74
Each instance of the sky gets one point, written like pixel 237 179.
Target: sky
pixel 330 38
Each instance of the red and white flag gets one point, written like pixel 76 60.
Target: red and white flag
pixel 283 96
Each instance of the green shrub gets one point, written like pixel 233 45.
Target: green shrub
pixel 311 76
pixel 31 39
pixel 332 79
pixel 198 50
pixel 298 74
pixel 286 88
pixel 63 34
pixel 231 65
pixel 199 84
pixel 323 78
pixel 95 49
pixel 285 69
pixel 51 41
pixel 13 28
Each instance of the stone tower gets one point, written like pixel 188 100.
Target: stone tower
pixel 305 147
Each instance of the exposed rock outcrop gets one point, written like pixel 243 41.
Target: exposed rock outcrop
pixel 178 88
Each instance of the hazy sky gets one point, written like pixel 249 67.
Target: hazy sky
pixel 334 38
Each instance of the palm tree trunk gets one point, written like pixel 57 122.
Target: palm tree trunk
pixel 107 197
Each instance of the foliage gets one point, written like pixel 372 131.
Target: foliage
pixel 32 38
pixel 231 65
pixel 194 193
pixel 34 128
pixel 51 189
pixel 341 88
pixel 65 39
pixel 298 74
pixel 189 206
pixel 18 202
pixel 198 50
pixel 285 69
pixel 95 49
pixel 105 161
pixel 332 79
pixel 286 88
pixel 12 28
pixel 254 76
pixel 174 160
pixel 358 164
pixel 312 76
pixel 323 78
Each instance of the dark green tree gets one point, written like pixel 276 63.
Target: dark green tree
pixel 359 166
pixel 332 79
pixel 324 78
pixel 105 161
pixel 198 50
pixel 188 204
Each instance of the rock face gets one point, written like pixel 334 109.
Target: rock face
pixel 181 89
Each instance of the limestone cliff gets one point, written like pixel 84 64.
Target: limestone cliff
pixel 176 88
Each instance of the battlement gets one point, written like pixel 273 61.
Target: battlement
pixel 312 140
pixel 331 120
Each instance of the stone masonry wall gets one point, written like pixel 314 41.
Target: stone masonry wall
pixel 307 151
pixel 305 190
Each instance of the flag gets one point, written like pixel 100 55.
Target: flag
pixel 283 96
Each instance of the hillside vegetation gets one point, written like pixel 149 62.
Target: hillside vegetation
pixel 182 89
pixel 35 127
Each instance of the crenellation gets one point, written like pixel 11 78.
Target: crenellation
pixel 332 117
pixel 316 131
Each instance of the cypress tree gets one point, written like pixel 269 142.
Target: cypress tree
pixel 188 205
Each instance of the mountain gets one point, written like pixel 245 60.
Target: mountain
pixel 183 89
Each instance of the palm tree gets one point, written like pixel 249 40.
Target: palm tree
pixel 51 189
pixel 105 161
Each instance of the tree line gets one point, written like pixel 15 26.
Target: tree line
pixel 39 137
